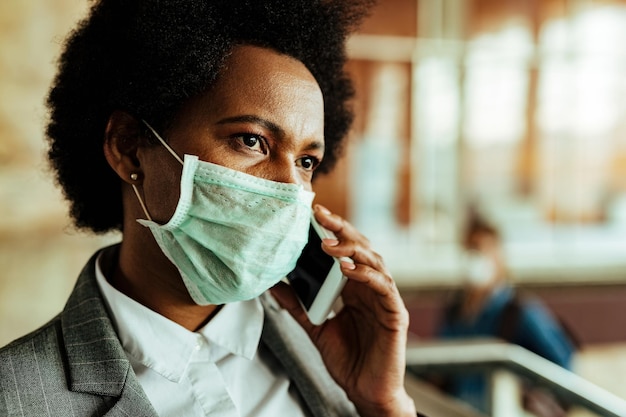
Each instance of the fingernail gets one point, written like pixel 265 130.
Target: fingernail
pixel 348 265
pixel 322 209
pixel 330 242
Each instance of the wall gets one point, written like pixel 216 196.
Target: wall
pixel 594 313
pixel 40 253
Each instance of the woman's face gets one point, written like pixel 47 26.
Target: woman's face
pixel 264 116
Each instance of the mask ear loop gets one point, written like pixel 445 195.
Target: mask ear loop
pixel 143 205
pixel 168 147
pixel 133 176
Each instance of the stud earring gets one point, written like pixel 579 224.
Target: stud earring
pixel 134 176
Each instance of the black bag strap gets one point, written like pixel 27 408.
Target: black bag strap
pixel 509 319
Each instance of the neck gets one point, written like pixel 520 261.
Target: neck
pixel 156 283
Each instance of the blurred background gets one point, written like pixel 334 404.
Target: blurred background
pixel 514 107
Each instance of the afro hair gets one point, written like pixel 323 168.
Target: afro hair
pixel 147 57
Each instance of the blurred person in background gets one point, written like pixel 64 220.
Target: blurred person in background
pixel 488 306
pixel 195 128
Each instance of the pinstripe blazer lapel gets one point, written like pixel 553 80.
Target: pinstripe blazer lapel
pixel 72 366
pixel 133 401
pixel 303 363
pixel 96 359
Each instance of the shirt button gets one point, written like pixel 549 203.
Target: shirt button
pixel 199 344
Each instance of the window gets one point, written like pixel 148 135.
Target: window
pixel 520 116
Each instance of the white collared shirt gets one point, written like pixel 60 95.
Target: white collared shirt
pixel 220 370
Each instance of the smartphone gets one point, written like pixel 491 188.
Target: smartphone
pixel 317 279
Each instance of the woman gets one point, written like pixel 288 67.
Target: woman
pixel 196 128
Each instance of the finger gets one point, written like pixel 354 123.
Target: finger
pixel 337 224
pixel 387 311
pixel 356 252
pixel 350 243
pixel 381 284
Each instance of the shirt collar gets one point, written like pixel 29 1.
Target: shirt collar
pixel 236 328
pixel 165 346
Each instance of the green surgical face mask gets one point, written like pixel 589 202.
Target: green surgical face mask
pixel 232 235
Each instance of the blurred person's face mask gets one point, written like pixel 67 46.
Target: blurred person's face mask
pixel 479 270
pixel 232 235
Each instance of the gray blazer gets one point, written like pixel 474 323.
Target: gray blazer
pixel 75 364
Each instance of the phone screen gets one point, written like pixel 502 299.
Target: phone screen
pixel 311 270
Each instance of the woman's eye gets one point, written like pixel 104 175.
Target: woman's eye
pixel 254 142
pixel 309 163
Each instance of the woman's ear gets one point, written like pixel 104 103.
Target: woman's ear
pixel 122 137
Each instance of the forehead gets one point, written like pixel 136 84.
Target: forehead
pixel 261 78
pixel 263 83
pixel 254 64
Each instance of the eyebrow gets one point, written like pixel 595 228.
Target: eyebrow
pixel 269 125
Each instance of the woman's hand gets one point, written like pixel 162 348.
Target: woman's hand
pixel 364 345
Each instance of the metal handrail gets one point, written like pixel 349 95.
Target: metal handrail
pixel 491 354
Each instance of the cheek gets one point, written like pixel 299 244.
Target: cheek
pixel 161 189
